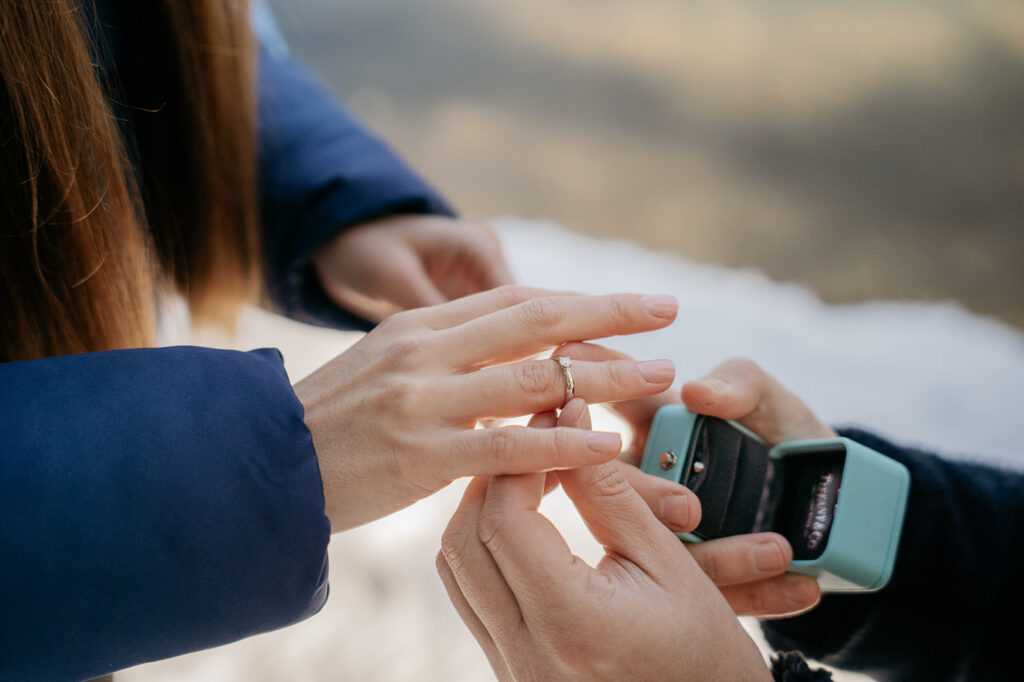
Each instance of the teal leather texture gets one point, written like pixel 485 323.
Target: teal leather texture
pixel 868 518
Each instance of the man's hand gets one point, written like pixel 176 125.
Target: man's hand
pixel 646 612
pixel 409 261
pixel 740 390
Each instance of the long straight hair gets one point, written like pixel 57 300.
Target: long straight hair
pixel 96 219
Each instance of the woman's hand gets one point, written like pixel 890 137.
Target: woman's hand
pixel 646 612
pixel 393 418
pixel 409 261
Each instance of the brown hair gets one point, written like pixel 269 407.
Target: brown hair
pixel 92 227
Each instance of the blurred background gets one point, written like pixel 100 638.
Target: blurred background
pixel 868 148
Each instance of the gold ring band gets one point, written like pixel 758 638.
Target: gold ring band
pixel 570 386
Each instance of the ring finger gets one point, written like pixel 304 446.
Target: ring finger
pixel 541 385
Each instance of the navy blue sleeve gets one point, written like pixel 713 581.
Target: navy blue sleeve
pixel 152 502
pixel 956 581
pixel 320 172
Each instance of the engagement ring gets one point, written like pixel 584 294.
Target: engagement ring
pixel 570 387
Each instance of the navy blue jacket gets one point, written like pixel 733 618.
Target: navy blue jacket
pixel 155 501
pixel 160 501
pixel 320 172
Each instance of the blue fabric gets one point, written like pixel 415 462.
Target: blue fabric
pixel 320 172
pixel 160 501
pixel 154 502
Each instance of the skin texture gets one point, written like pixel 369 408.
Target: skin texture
pixel 410 261
pixel 393 418
pixel 540 613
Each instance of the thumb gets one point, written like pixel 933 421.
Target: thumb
pixel 615 512
pixel 739 389
pixel 620 520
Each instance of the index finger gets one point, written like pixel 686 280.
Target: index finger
pixel 533 557
pixel 477 577
pixel 470 307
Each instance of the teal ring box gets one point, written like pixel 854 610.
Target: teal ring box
pixel 839 503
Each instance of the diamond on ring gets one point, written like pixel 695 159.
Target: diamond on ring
pixel 570 387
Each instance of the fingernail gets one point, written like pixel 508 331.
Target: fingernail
pixel 714 385
pixel 661 305
pixel 675 511
pixel 572 412
pixel 657 371
pixel 801 591
pixel 768 558
pixel 600 441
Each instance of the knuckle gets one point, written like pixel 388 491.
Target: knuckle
pixel 512 294
pixel 623 306
pixel 402 459
pixel 609 481
pixel 402 322
pixel 711 563
pixel 385 327
pixel 406 401
pixel 490 524
pixel 465 450
pixel 441 563
pixel 757 600
pixel 614 377
pixel 404 348
pixel 561 444
pixel 540 313
pixel 503 447
pixel 454 547
pixel 769 562
pixel 534 378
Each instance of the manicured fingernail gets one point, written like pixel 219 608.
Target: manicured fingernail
pixel 657 371
pixel 660 306
pixel 768 558
pixel 676 511
pixel 600 441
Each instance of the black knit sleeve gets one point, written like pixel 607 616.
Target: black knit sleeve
pixel 790 666
pixel 957 576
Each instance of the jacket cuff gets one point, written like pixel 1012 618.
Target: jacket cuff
pixel 790 666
